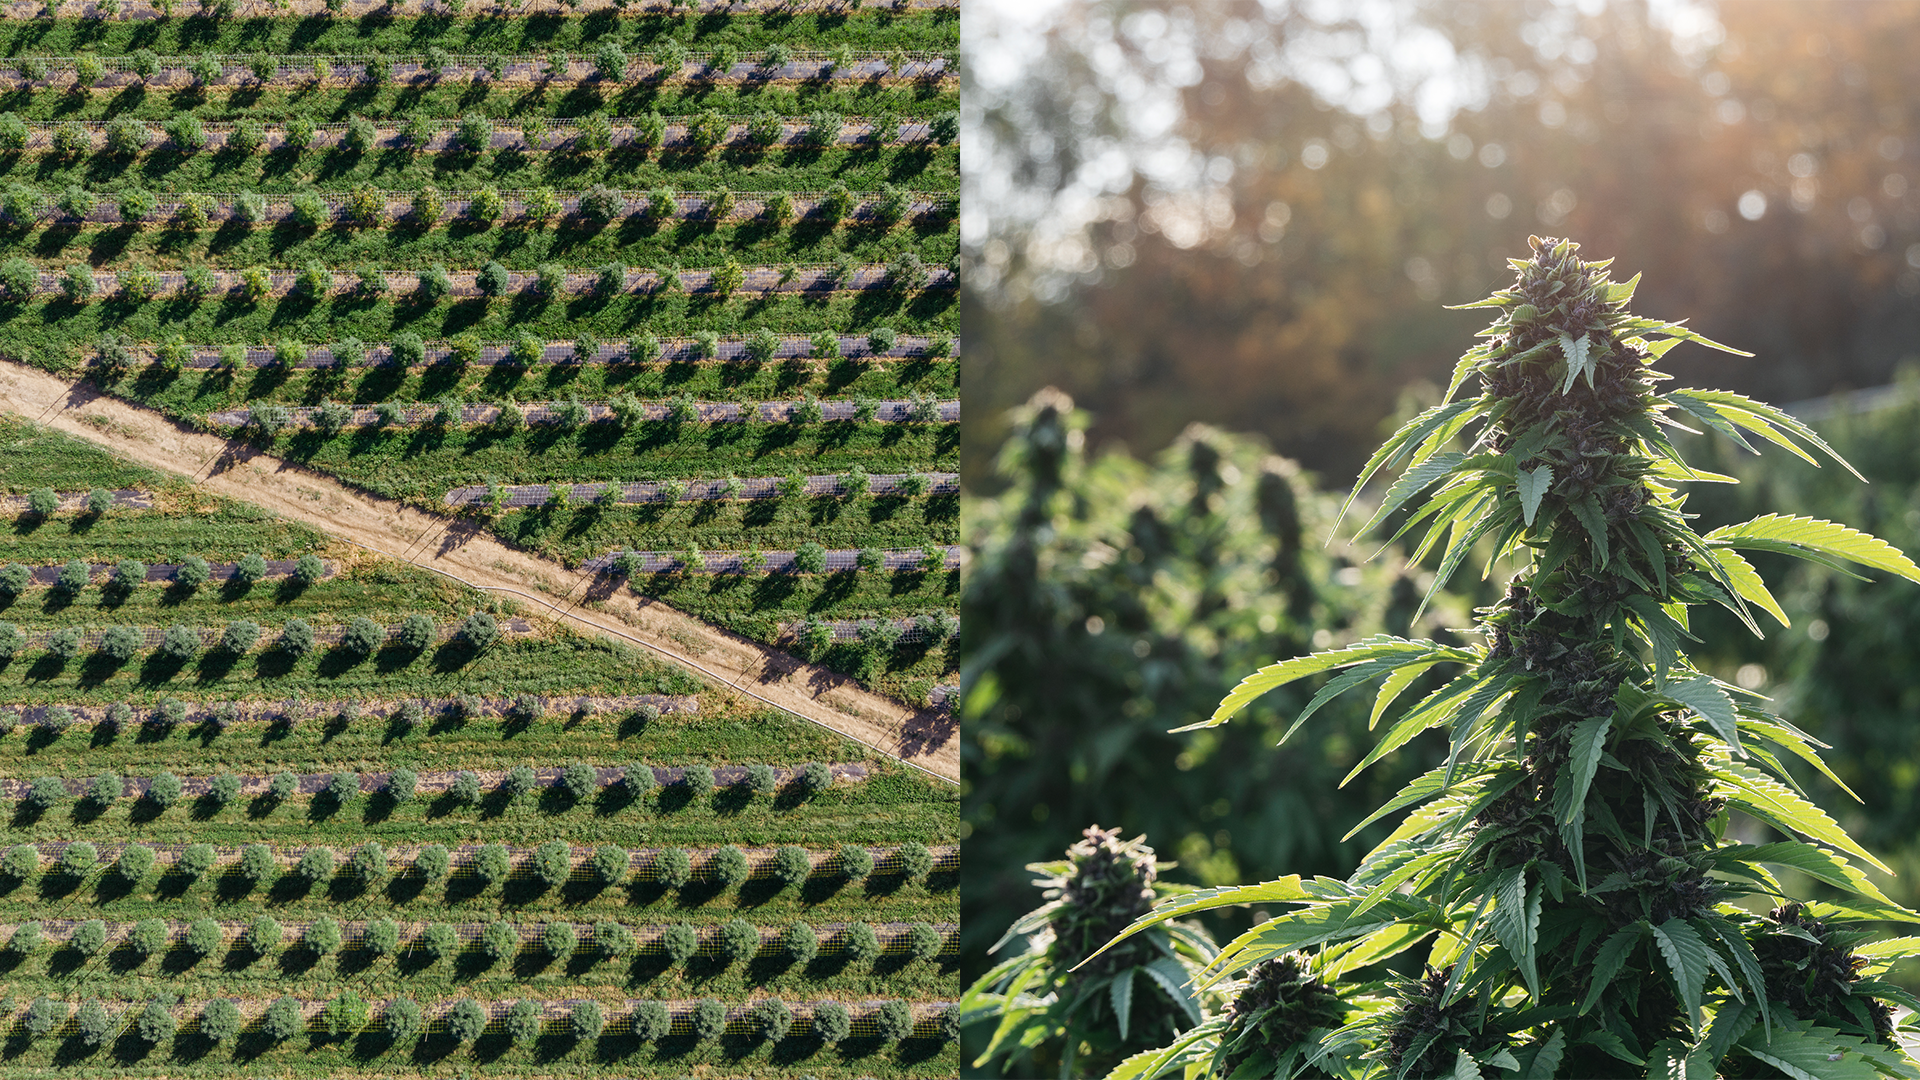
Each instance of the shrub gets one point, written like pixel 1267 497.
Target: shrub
pixel 13 132
pixel 498 941
pixel 296 638
pixel 136 205
pixel 541 205
pixel 27 938
pixel 859 943
pixel 924 942
pixel 77 282
pixel 282 786
pixel 578 782
pixel 79 859
pixel 299 133
pixel 257 865
pixel 893 1021
pixel 524 1022
pixel 429 206
pixel 913 861
pixel 553 280
pixel 832 1024
pixel 650 1021
pixel 612 940
pixel 282 1020
pixel 403 1021
pixel 729 866
pixel 610 62
pixel 739 941
pixel 553 863
pixel 559 940
pixel 586 1020
pixel 434 284
pixel 475 132
pixel 362 636
pixel 465 790
pixel 602 203
pixel 120 643
pixel 315 867
pixel 18 277
pixel 71 140
pixel 345 1015
pixel 779 209
pixel 760 779
pixel 491 864
pixel 611 280
pixel 323 936
pixel 200 284
pixel 382 937
pixel 673 868
pixel 87 939
pixel 220 1021
pixel 416 632
pixel 135 862
pixel 709 1020
pixel 224 787
pixel 698 778
pixel 519 783
pixel 310 211
pixel 246 138
pixel 368 864
pixel 945 127
pixel 360 137
pixel 64 644
pixel 439 942
pixel 164 790
pixel 680 942
pixel 46 1016
pixel 594 134
pixel 815 778
pixel 187 133
pixel 432 862
pixel 203 938
pixel 127 136
pixel 94 1025
pixel 255 284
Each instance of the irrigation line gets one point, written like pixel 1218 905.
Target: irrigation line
pixel 675 657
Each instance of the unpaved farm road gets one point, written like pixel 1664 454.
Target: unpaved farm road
pixel 460 550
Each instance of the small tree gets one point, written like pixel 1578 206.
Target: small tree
pixel 282 1020
pixel 832 1024
pixel 673 868
pixel 404 1021
pixel 220 1021
pixel 650 1021
pixel 709 1020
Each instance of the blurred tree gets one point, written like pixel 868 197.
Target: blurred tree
pixel 1240 214
pixel 1108 601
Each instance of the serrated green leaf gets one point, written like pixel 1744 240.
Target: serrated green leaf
pixel 1174 979
pixel 1587 510
pixel 1810 860
pixel 1547 1062
pixel 1395 685
pixel 1120 996
pixel 1401 442
pixel 1589 743
pixel 1516 923
pixel 1579 356
pixel 1747 582
pixel 1703 695
pixel 1279 891
pixel 1620 292
pixel 1279 674
pixel 1434 710
pixel 1766 797
pixel 1742 952
pixel 1608 961
pixel 1410 483
pixel 1754 415
pixel 1533 487
pixel 1686 957
pixel 1799 535
pixel 1815 1054
pixel 1464 1067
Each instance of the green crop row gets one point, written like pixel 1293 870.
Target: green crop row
pixel 868 31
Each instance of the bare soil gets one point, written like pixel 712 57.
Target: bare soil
pixel 461 550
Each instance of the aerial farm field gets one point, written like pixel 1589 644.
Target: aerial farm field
pixel 477 505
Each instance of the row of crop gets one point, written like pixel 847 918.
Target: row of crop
pixel 809 558
pixel 166 715
pixel 596 133
pixel 575 784
pixel 762 346
pixel 403 1022
pixel 179 643
pixel 79 283
pixel 853 484
pixel 367 206
pixel 626 412
pixel 554 863
pixel 45 502
pixel 609 64
pixel 126 575
pixel 736 941
pixel 104 10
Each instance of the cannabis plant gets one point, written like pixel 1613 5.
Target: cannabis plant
pixel 1059 1012
pixel 1569 871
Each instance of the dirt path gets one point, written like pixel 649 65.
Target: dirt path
pixel 461 550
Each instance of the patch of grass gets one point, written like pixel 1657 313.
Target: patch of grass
pixel 218 530
pixel 37 457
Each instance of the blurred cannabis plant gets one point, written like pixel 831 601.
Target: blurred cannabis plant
pixel 1060 1011
pixel 1588 914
